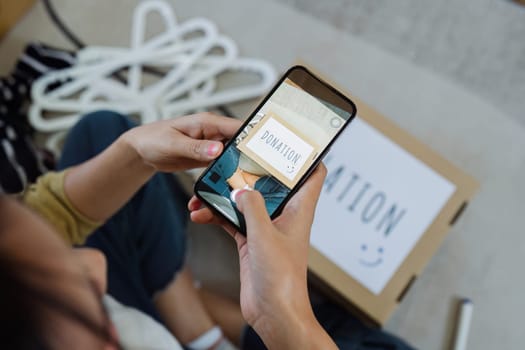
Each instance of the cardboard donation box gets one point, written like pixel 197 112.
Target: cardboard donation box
pixel 386 206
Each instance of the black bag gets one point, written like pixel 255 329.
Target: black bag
pixel 20 161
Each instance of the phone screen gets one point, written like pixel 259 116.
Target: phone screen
pixel 278 145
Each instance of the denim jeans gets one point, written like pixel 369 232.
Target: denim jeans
pixel 145 241
pixel 272 191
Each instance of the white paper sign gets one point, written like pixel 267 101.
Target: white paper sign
pixel 376 203
pixel 280 147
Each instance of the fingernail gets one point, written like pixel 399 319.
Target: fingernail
pixel 213 149
pixel 234 195
pixel 240 192
pixel 194 205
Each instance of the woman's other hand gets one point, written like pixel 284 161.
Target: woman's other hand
pixel 273 266
pixel 182 143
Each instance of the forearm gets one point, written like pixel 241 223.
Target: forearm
pixel 313 337
pixel 293 325
pixel 101 186
pixel 297 332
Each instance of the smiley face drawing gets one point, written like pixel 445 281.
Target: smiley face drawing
pixel 371 256
pixel 290 168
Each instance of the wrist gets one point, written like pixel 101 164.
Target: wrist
pixel 293 329
pixel 131 156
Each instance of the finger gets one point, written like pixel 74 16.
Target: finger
pixel 194 204
pixel 199 150
pixel 201 216
pixel 218 126
pixel 209 126
pixel 240 239
pixel 251 205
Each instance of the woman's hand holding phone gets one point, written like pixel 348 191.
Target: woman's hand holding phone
pixel 183 143
pixel 273 266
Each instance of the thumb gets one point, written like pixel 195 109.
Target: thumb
pixel 252 206
pixel 201 150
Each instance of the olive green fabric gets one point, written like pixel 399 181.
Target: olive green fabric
pixel 48 198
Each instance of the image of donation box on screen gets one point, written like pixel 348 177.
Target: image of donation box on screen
pixel 289 133
pixel 279 148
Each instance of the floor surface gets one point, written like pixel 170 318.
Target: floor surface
pixel 477 44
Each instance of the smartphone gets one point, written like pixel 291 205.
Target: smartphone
pixel 278 146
